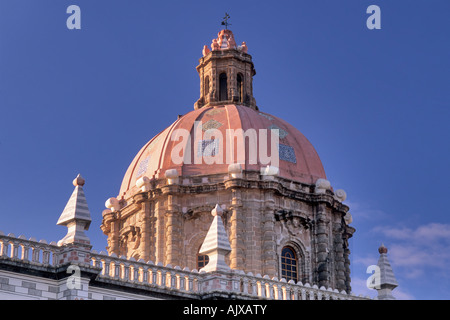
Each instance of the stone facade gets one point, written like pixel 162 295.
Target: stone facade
pixel 168 223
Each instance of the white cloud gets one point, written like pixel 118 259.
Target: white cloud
pixel 414 249
pixel 419 256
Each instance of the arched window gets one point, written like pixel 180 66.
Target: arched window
pixel 289 264
pixel 202 259
pixel 240 87
pixel 223 90
pixel 206 85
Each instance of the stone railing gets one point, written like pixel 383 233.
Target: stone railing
pixel 186 283
pixel 234 284
pixel 148 274
pixel 28 250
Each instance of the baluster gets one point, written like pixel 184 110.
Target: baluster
pixel 303 294
pixel 46 257
pixel 319 295
pixel 259 288
pixel 25 252
pixel 135 272
pixel 254 288
pixel 161 279
pixel 126 272
pixel 173 279
pixel 295 296
pixel 269 289
pixel 34 254
pixel 187 282
pixel 99 263
pixel 106 267
pixel 190 283
pixel 115 270
pixel 179 284
pixel 154 276
pixel 14 250
pixel 245 285
pixel 144 274
pixel 195 284
pixel 4 248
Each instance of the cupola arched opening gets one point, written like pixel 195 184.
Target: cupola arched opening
pixel 223 87
pixel 240 87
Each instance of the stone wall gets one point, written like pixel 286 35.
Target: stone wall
pixel 260 218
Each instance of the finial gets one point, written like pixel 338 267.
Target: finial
pixel 382 249
pixel 225 21
pixel 217 211
pixel 79 181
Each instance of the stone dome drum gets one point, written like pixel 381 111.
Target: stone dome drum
pixel 298 160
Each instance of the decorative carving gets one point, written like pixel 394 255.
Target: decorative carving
pixel 322 185
pixel 205 50
pixel 129 240
pixel 195 212
pixel 293 221
pixel 341 195
pixel 244 47
pixel 215 45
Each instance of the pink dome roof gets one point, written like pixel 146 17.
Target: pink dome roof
pixel 298 160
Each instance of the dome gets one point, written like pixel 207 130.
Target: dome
pixel 298 160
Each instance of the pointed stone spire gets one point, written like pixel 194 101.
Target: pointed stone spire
pixel 387 278
pixel 76 216
pixel 216 244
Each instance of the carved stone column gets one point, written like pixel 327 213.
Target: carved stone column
pixel 236 231
pixel 113 238
pixel 269 266
pixel 348 233
pixel 339 256
pixel 322 267
pixel 159 231
pixel 146 232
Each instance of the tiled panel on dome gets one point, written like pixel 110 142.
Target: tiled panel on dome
pixel 281 132
pixel 265 116
pixel 287 153
pixel 215 111
pixel 143 165
pixel 208 148
pixel 211 124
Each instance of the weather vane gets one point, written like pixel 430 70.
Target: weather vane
pixel 225 20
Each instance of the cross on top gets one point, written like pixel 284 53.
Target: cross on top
pixel 225 20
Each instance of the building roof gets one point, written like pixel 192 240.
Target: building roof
pixel 298 160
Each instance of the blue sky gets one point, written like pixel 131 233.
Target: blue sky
pixel 374 103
